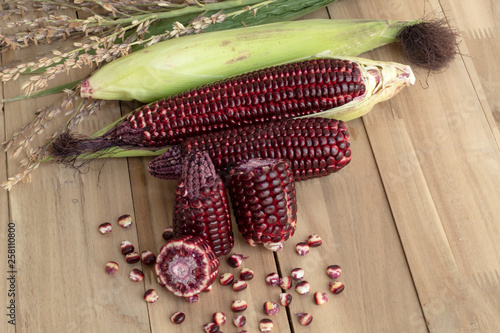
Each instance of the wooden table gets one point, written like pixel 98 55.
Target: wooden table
pixel 413 220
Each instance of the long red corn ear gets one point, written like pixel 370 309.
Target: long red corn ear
pixel 328 87
pixel 186 265
pixel 315 147
pixel 201 204
pixel 263 200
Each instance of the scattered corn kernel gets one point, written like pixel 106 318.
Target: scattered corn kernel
pixel 105 228
pixel 333 271
pixel 168 233
pixel 148 257
pixel 136 275
pixel 303 288
pixel 111 267
pixel 266 325
pixel 126 247
pixel 239 285
pixel 239 321
pixel 235 260
pixel 125 221
pixel 314 241
pixel 239 305
pixel 272 279
pixel 285 282
pixel 177 318
pixel 246 274
pixel 302 248
pixel 336 287
pixel 271 308
pixel 297 274
pixel 219 318
pixel 132 258
pixel 304 318
pixel 226 279
pixel 285 299
pixel 151 296
pixel 211 328
pixel 320 298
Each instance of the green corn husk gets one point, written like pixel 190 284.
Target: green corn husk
pixel 173 66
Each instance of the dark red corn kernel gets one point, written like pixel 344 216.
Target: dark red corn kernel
pixel 297 274
pixel 239 285
pixel 285 282
pixel 272 279
pixel 111 267
pixel 320 298
pixel 126 247
pixel 226 279
pixel 302 248
pixel 333 271
pixel 151 296
pixel 132 258
pixel 337 287
pixel 219 318
pixel 314 241
pixel 235 260
pixel 148 257
pixel 246 274
pixel 266 325
pixel 257 142
pixel 136 275
pixel 125 221
pixel 211 328
pixel 105 228
pixel 302 288
pixel 168 233
pixel 178 318
pixel 201 204
pixel 271 308
pixel 304 318
pixel 285 299
pixel 239 305
pixel 239 321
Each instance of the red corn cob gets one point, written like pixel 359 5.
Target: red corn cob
pixel 186 265
pixel 274 93
pixel 201 204
pixel 264 202
pixel 315 147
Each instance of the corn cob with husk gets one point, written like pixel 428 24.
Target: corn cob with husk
pixel 343 89
pixel 173 66
pixel 314 147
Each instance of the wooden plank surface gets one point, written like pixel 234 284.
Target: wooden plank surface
pixel 413 220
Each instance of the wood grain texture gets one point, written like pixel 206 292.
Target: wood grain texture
pixel 7 293
pixel 413 220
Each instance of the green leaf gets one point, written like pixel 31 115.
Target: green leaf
pixel 41 93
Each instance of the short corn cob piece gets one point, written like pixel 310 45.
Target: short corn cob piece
pixel 264 202
pixel 315 147
pixel 332 88
pixel 201 204
pixel 186 266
